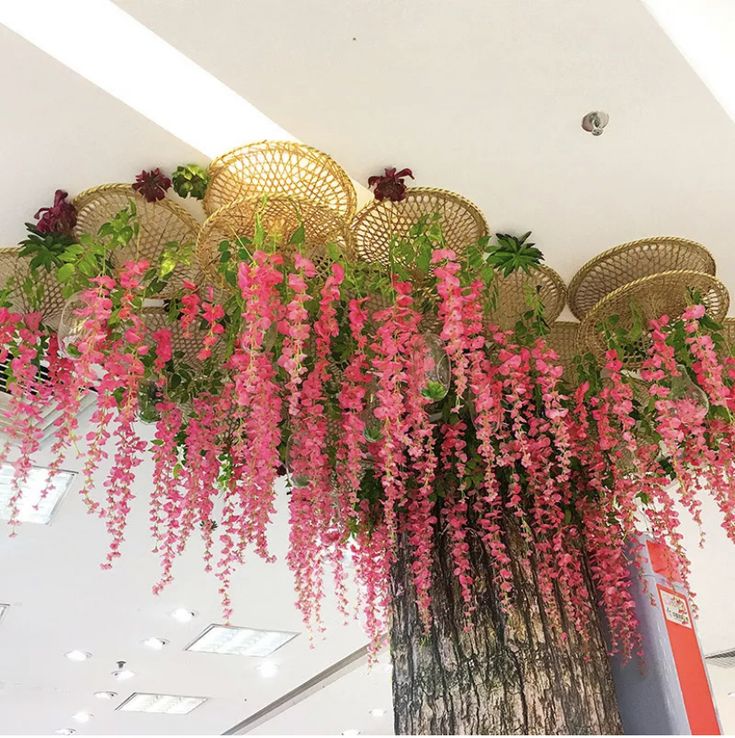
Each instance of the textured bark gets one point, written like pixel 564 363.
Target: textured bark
pixel 509 673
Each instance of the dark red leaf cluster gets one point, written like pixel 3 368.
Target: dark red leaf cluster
pixel 391 185
pixel 61 217
pixel 152 185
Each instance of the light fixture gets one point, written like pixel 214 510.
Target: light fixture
pixel 702 33
pixel 122 673
pixel 156 644
pixel 82 716
pixel 268 669
pixel 351 731
pixel 31 507
pixel 171 78
pixel 182 615
pixel 169 704
pixel 377 712
pixel 731 694
pixel 3 609
pixel 106 695
pixel 77 655
pixel 65 731
pixel 240 641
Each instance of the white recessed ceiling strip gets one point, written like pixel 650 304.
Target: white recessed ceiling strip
pixel 111 49
pixel 703 32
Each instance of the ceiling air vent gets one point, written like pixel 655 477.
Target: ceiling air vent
pixel 49 413
pixel 726 659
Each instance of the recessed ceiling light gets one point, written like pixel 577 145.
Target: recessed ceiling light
pixel 240 641
pixel 106 695
pixel 155 643
pixel 351 731
pixel 32 507
pixel 183 615
pixel 377 712
pixel 731 694
pixel 65 731
pixel 123 674
pixel 169 704
pixel 171 77
pixel 77 655
pixel 268 669
pixel 82 717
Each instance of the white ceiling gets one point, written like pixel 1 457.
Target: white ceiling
pixel 484 98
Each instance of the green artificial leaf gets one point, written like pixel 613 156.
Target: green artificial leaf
pixel 65 273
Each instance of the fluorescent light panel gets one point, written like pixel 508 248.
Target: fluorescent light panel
pixel 31 498
pixel 229 639
pixel 168 704
pixel 703 33
pixel 102 43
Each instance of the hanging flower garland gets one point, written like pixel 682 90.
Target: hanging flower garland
pixel 333 381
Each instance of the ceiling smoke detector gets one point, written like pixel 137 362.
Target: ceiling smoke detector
pixel 595 122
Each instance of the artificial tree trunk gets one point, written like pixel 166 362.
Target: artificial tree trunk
pixel 508 673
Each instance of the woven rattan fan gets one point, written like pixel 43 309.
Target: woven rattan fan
pixel 378 223
pixel 160 223
pixel 650 297
pixel 563 338
pixel 280 218
pixel 511 295
pixel 51 300
pixel 630 261
pixel 282 168
pixel 728 331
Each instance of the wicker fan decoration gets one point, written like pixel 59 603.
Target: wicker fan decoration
pixel 563 338
pixel 160 223
pixel 280 217
pixel 280 168
pixel 667 293
pixel 513 291
pixel 377 224
pixel 48 289
pixel 631 261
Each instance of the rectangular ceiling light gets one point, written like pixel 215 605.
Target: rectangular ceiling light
pixel 33 509
pixel 107 46
pixel 240 641
pixel 703 33
pixel 167 704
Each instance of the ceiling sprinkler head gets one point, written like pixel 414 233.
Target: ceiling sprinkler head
pixel 595 122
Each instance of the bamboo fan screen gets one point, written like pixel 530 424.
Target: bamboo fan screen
pixel 46 286
pixel 650 297
pixel 160 223
pixel 280 168
pixel 280 217
pixel 630 261
pixel 512 295
pixel 377 224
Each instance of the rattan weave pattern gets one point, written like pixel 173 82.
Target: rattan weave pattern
pixel 630 261
pixel 512 302
pixel 160 223
pixel 280 217
pixel 377 223
pixel 563 338
pixel 52 301
pixel 282 168
pixel 667 293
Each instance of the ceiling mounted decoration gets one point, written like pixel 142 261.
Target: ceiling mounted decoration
pixel 280 217
pixel 378 223
pixel 630 261
pixel 45 286
pixel 641 300
pixel 280 168
pixel 563 337
pixel 515 289
pixel 161 222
